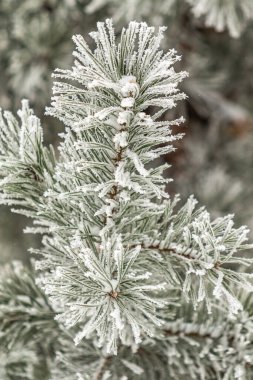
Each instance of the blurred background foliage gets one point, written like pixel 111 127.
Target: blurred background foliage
pixel 215 160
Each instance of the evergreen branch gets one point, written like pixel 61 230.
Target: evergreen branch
pixel 223 14
pixel 118 83
pixel 26 166
pixel 116 249
pixel 187 338
pixel 25 315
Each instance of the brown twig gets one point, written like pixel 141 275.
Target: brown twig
pixel 104 363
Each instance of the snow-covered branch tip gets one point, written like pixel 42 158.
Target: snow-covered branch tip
pixel 26 166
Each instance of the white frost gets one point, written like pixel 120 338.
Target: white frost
pixel 120 139
pixel 127 102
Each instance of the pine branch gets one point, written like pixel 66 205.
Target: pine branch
pixel 29 335
pixel 223 14
pixel 102 181
pixel 117 249
pixel 26 165
pixel 188 338
pixel 25 314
